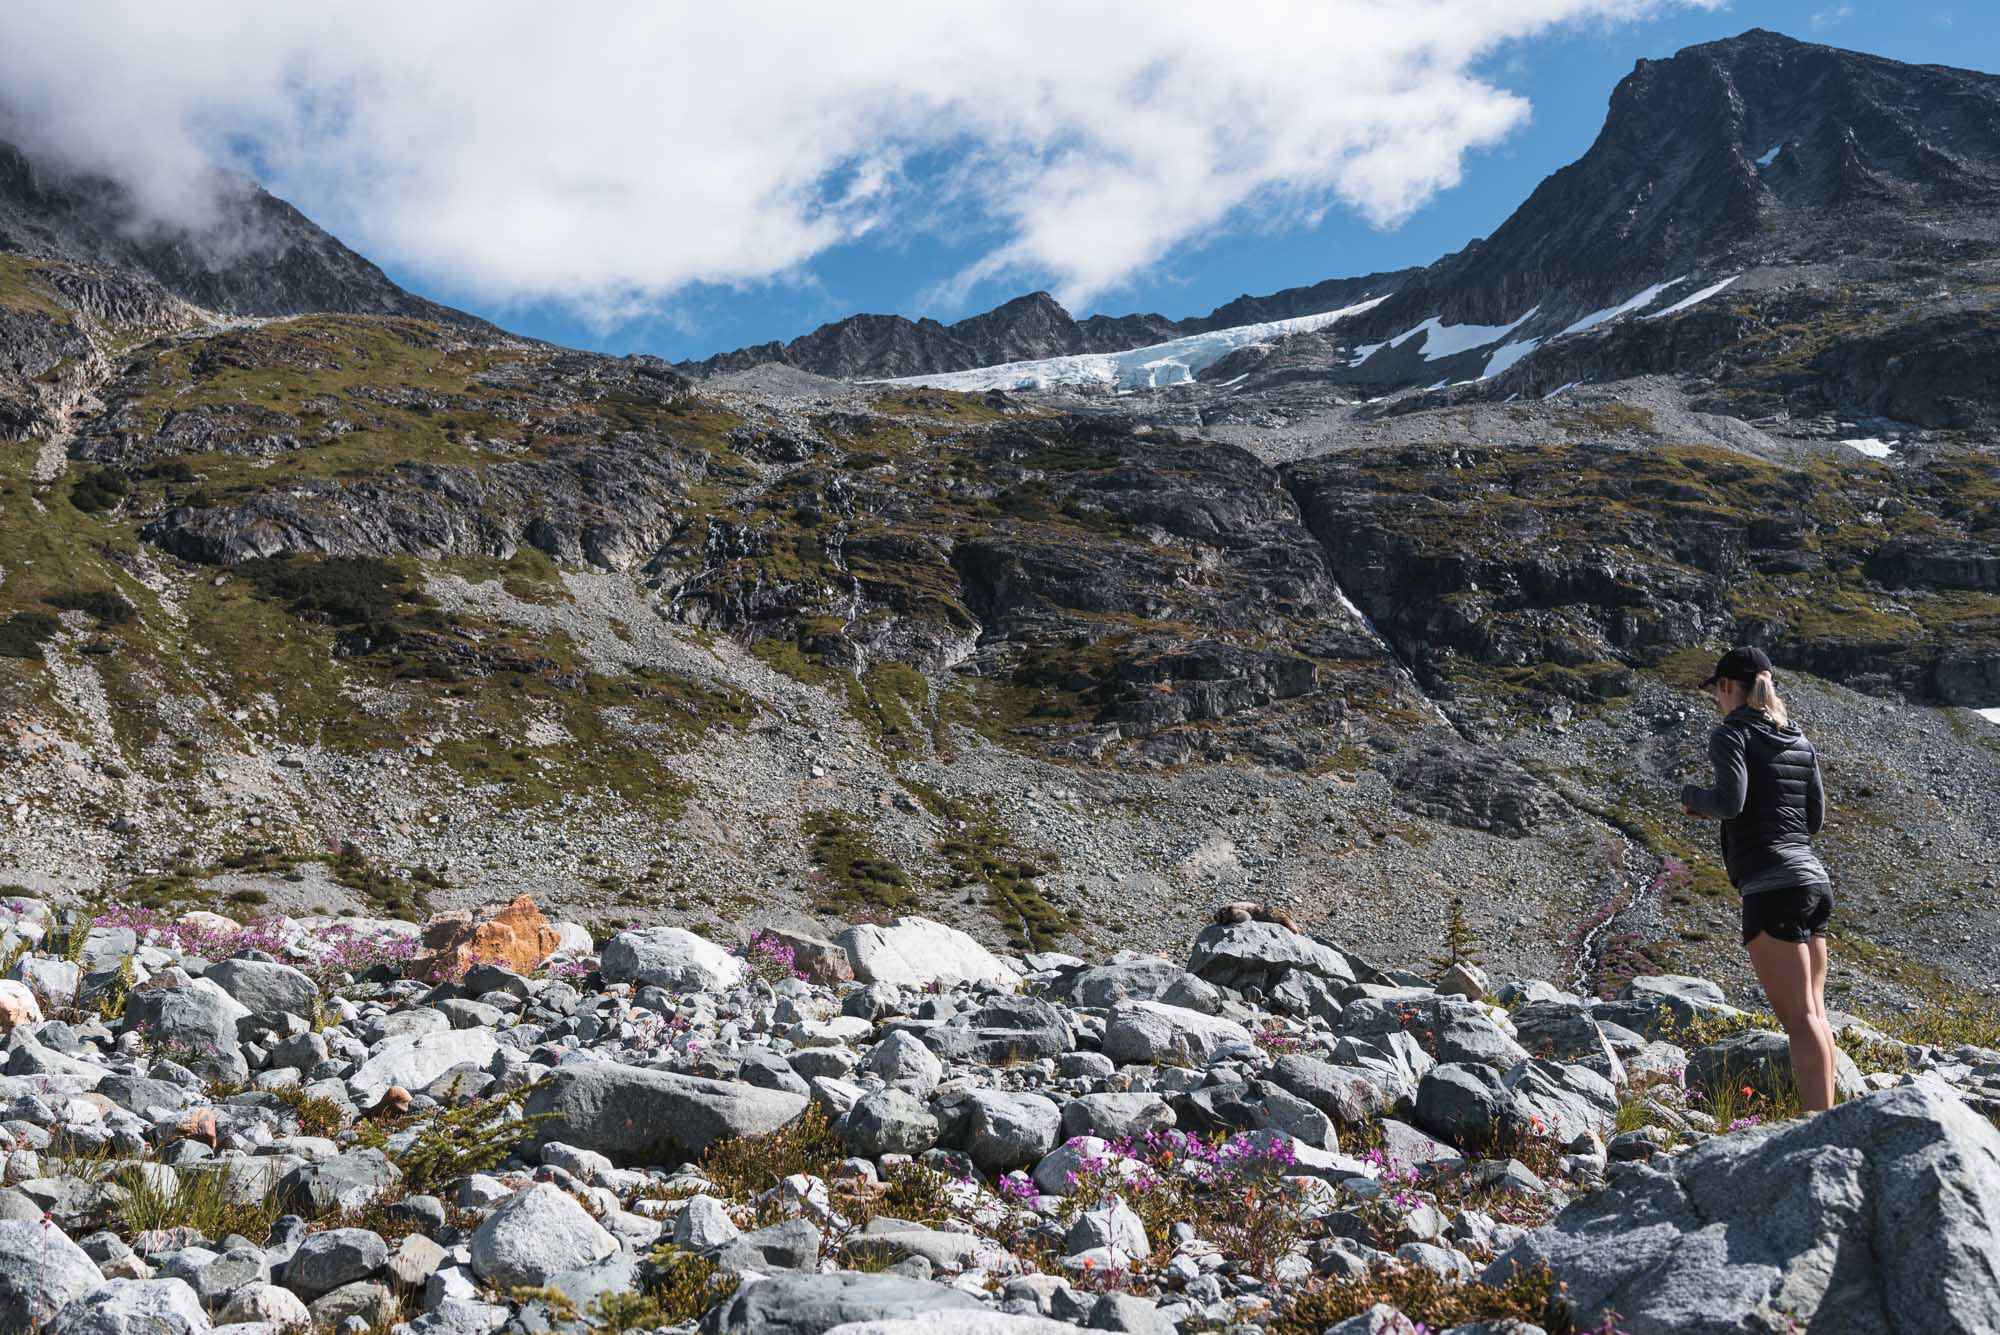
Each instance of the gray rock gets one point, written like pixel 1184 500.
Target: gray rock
pixel 704 1222
pixel 811 1304
pixel 199 1019
pixel 669 957
pixel 767 1070
pixel 792 1244
pixel 981 1322
pixel 1350 1095
pixel 1003 1029
pixel 1762 1059
pixel 1009 1130
pixel 325 1261
pixel 368 1299
pixel 1882 1214
pixel 414 1261
pixel 413 1061
pixel 265 987
pixel 1465 1104
pixel 613 1275
pixel 345 1182
pixel 1260 953
pixel 902 1060
pixel 40 1270
pixel 132 1307
pixel 136 1093
pixel 534 1234
pixel 1571 1100
pixel 267 1303
pixel 918 952
pixel 460 1316
pixel 638 1116
pixel 1112 1226
pixel 889 1121
pixel 1104 986
pixel 1116 1115
pixel 1381 1319
pixel 1149 1031
pixel 222 1276
pixel 1127 1312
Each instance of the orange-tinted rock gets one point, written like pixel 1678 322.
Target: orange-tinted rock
pixel 17 1005
pixel 198 1125
pixel 518 937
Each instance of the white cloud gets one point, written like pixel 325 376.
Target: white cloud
pixel 1827 18
pixel 608 156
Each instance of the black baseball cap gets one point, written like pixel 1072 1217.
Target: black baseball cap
pixel 1739 665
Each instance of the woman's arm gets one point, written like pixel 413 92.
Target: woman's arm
pixel 1725 800
pixel 1815 800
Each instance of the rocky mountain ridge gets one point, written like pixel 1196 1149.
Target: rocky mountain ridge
pixel 885 347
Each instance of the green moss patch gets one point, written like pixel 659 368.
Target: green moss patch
pixel 851 875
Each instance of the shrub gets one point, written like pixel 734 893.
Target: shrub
pixel 23 634
pixel 361 591
pixel 474 1137
pixel 104 605
pixel 204 1200
pixel 917 1193
pixel 675 1289
pixel 99 490
pixel 1426 1296
pixel 1947 1024
pixel 743 1168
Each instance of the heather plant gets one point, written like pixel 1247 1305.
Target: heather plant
pixel 770 960
pixel 1275 1040
pixel 1427 1297
pixel 1232 1190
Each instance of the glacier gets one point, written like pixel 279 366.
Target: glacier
pixel 1174 362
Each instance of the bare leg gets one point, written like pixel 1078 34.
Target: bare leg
pixel 1816 962
pixel 1785 970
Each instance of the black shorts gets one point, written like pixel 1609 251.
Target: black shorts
pixel 1788 915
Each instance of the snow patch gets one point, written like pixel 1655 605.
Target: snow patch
pixel 1771 154
pixel 1506 355
pixel 1174 362
pixel 1448 340
pixel 1561 389
pixel 1871 446
pixel 1990 715
pixel 1696 299
pixel 1609 313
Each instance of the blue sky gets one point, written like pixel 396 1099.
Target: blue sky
pixel 635 177
pixel 1567 76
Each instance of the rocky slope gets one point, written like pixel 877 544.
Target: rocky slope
pixel 363 609
pixel 499 1124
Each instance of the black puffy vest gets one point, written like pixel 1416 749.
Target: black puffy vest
pixel 1779 768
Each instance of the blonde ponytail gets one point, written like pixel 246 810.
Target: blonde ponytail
pixel 1764 699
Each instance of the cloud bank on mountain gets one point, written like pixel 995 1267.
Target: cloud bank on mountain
pixel 608 158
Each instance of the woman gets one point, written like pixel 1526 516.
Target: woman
pixel 1770 800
